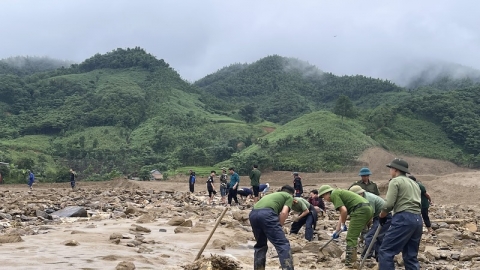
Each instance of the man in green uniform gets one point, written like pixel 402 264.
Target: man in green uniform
pixel 360 211
pixel 426 201
pixel 377 205
pixel 307 216
pixel 255 182
pixel 365 182
pixel 405 232
pixel 267 218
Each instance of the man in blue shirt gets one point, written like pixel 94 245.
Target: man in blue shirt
pixel 31 179
pixel 233 186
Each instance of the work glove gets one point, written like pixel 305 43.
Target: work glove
pixel 335 235
pixel 382 221
pixel 344 227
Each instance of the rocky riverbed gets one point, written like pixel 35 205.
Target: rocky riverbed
pixel 127 226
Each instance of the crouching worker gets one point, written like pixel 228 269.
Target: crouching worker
pixel 308 217
pixel 348 203
pixel 377 205
pixel 267 218
pixel 245 193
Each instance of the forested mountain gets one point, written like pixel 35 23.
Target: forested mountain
pixel 282 89
pixel 113 112
pixel 27 65
pixel 127 112
pixel 441 75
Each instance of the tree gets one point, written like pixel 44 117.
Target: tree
pixel 344 107
pixel 248 112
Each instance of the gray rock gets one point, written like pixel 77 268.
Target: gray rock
pixel 71 211
pixel 5 216
pixel 176 221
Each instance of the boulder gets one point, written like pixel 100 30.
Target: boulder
pixel 219 244
pixel 116 236
pixel 448 236
pixel 471 227
pixel 40 213
pixel 71 211
pixel 187 223
pixel 71 243
pixel 181 229
pixel 4 239
pixel 145 218
pixel 241 215
pixel 468 254
pixel 140 228
pixel 176 221
pixel 125 266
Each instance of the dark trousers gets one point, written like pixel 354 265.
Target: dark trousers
pixel 232 193
pixel 191 186
pixel 404 236
pixel 72 183
pixel 378 242
pixel 266 226
pixel 310 222
pixel 426 218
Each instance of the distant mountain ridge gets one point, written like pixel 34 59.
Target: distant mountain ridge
pixel 128 112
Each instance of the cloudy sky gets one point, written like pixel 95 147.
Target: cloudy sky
pixel 197 37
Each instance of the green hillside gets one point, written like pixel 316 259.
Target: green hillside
pixel 282 89
pixel 127 112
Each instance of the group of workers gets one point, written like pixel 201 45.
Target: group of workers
pixel 398 218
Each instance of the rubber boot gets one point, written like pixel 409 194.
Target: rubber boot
pixel 351 257
pixel 260 258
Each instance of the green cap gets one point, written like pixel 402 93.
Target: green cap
pixel 324 189
pixel 399 164
pixel 357 189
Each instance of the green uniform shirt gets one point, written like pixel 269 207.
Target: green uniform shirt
pixel 369 186
pixel 425 203
pixel 340 197
pixel 255 177
pixel 275 201
pixel 301 205
pixel 376 203
pixel 403 195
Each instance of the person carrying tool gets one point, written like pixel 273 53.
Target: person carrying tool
pixel 365 182
pixel 297 184
pixel 405 232
pixel 308 217
pixel 377 205
pixel 267 218
pixel 360 211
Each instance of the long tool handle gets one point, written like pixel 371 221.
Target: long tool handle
pixel 326 244
pixel 211 233
pixel 370 246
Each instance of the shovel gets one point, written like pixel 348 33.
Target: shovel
pixel 370 246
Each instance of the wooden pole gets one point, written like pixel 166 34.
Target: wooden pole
pixel 211 233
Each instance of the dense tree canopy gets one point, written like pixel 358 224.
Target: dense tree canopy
pixel 127 112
